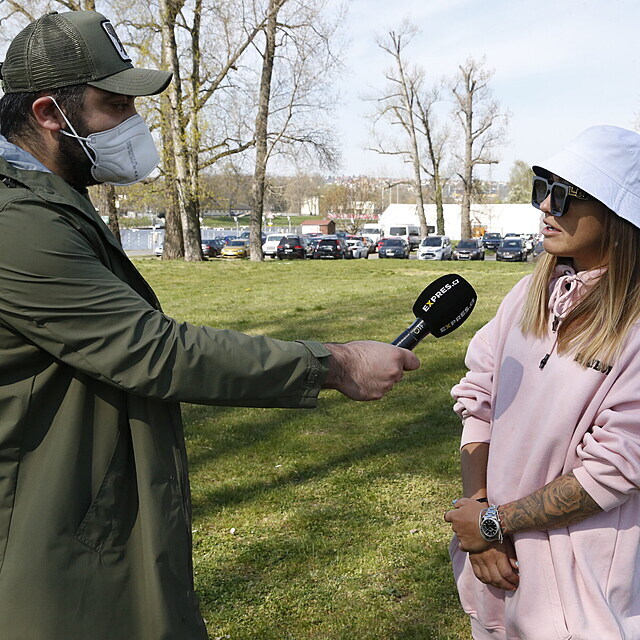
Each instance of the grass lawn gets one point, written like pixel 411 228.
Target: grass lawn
pixel 326 524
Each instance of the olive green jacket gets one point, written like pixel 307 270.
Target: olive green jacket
pixel 95 531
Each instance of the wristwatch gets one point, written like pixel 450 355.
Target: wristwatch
pixel 489 523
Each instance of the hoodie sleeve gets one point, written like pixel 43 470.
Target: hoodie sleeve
pixel 473 395
pixel 610 451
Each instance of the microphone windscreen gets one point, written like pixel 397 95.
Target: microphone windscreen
pixel 445 304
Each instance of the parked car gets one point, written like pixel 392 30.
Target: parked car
pixel 236 249
pixel 372 245
pixel 394 248
pixel 435 248
pixel 538 249
pixel 491 240
pixel 408 232
pixel 314 241
pixel 246 235
pixel 512 249
pixel 335 248
pixel 470 249
pixel 158 250
pixel 358 248
pixel 211 247
pixel 270 246
pixel 293 247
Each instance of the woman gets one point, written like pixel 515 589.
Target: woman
pixel 547 538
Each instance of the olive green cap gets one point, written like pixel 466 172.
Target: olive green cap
pixel 75 47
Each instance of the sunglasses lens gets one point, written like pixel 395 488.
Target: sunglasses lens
pixel 540 190
pixel 558 198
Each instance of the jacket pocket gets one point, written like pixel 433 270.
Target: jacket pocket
pixel 8 478
pixel 113 510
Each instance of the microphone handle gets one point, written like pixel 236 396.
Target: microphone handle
pixel 410 337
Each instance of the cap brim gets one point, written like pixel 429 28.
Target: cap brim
pixel 135 82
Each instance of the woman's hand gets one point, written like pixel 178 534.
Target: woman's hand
pixel 464 521
pixel 497 565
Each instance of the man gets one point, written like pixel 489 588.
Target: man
pixel 95 533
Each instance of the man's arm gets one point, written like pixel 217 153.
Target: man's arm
pixel 366 370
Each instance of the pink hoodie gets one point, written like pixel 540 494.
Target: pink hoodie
pixel 580 582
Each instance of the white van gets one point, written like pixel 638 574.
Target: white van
pixel 408 232
pixel 373 231
pixel 435 248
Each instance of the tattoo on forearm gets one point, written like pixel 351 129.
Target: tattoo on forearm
pixel 560 503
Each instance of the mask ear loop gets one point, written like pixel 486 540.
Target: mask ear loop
pixel 74 133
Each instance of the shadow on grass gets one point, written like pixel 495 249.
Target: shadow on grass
pixel 305 577
pixel 429 427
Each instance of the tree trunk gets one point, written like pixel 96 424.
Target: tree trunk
pixel 467 181
pixel 186 198
pixel 194 129
pixel 261 132
pixel 437 196
pixel 106 197
pixel 411 129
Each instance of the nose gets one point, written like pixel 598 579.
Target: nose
pixel 545 206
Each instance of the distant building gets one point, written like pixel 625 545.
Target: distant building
pixel 501 218
pixel 326 227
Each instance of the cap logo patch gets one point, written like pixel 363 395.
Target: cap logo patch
pixel 113 36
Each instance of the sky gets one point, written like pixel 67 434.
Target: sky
pixel 559 67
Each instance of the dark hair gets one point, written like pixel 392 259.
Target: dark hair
pixel 16 119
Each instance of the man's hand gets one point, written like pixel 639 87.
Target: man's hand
pixel 464 521
pixel 366 370
pixel 497 565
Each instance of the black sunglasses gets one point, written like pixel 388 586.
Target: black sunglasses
pixel 560 193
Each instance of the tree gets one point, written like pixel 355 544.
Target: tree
pixel 483 125
pixel 261 130
pixel 519 184
pixel 297 60
pixel 437 140
pixel 398 104
pixel 202 43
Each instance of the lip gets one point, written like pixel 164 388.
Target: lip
pixel 549 229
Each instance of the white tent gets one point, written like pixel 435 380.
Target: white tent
pixel 501 218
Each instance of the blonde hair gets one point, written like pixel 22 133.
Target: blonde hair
pixel 596 327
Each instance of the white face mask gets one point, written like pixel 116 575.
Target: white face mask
pixel 120 156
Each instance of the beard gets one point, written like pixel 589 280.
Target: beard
pixel 72 159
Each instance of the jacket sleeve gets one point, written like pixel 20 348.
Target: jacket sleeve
pixel 610 451
pixel 57 294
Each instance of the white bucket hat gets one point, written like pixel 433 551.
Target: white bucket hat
pixel 604 161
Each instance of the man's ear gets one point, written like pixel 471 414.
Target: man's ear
pixel 47 114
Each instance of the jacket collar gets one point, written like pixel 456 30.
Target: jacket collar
pixel 21 166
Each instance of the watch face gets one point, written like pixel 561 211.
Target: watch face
pixel 490 528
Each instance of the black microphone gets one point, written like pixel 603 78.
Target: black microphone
pixel 442 307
